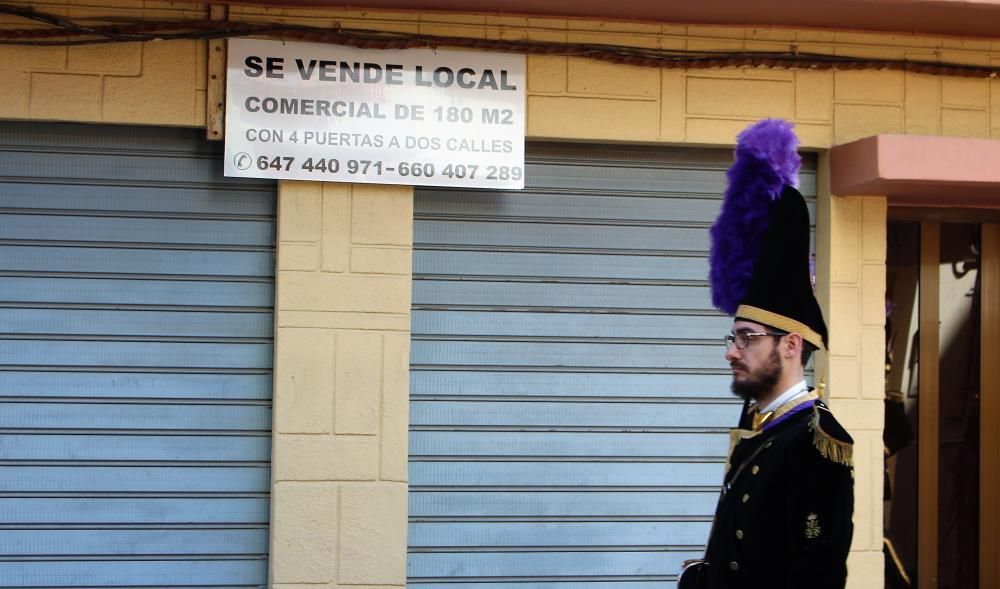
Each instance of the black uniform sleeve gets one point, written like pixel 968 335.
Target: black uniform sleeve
pixel 819 524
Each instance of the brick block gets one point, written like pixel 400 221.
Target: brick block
pixel 873 295
pixel 844 320
pixel 967 92
pixel 334 320
pixel 299 211
pixel 694 44
pixel 775 46
pixel 979 45
pixel 588 76
pixel 965 57
pixel 336 244
pixel 672 105
pixel 876 482
pixel 637 38
pixel 15 94
pixel 67 97
pixel 121 59
pixel 872 51
pixel 165 93
pixel 814 95
pixel 15 69
pixel 819 136
pixel 300 291
pixel 740 98
pixel 844 378
pixel 547 73
pixel 452 25
pixel 453 30
pixel 358 388
pixel 868 85
pixel 994 108
pixel 325 458
pixel 856 121
pixel 382 214
pixel 535 34
pixel 845 239
pixel 873 216
pixel 717 32
pixel 957 122
pixel 495 20
pixel 200 116
pixel 298 256
pixel 593 118
pixel 303 533
pixel 865 570
pixel 873 362
pixel 303 381
pixel 715 131
pixel 815 36
pixel 611 26
pixel 922 108
pixel 859 415
pixel 395 408
pixel 771 34
pixel 864 469
pixel 373 534
pixel 382 260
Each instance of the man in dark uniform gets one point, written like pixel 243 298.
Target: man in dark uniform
pixel 784 514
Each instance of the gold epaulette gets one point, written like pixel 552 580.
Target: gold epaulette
pixel 830 447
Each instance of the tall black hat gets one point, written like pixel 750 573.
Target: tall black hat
pixel 760 267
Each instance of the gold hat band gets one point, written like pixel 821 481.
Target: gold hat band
pixel 780 322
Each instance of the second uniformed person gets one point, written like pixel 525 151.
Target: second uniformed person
pixel 784 514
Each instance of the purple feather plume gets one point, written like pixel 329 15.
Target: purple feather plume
pixel 766 161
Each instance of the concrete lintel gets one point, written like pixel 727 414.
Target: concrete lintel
pixel 919 171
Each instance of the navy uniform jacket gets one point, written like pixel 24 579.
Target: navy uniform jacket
pixel 785 520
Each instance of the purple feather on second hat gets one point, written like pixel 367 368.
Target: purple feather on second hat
pixel 766 160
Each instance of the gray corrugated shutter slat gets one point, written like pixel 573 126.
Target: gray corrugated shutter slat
pixel 569 403
pixel 136 331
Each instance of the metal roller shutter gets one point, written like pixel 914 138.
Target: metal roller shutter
pixel 569 399
pixel 136 296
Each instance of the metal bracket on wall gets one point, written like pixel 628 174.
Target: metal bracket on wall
pixel 215 95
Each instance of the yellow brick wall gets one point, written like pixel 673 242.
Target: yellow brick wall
pixel 343 281
pixel 851 233
pixel 136 83
pixel 342 314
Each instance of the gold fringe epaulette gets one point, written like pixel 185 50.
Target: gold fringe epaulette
pixel 830 447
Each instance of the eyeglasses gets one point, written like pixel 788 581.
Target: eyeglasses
pixel 742 339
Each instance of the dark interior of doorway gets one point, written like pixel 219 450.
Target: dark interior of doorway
pixel 958 409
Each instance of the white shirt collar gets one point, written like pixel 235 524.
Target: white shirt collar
pixel 795 391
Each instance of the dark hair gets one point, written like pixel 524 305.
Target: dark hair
pixel 807 348
pixel 807 352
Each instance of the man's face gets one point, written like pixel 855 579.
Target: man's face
pixel 757 367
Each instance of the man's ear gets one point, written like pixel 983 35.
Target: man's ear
pixel 793 345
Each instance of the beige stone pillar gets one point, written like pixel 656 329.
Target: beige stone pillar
pixel 851 235
pixel 341 372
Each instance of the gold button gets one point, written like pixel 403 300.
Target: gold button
pixel 739 534
pixel 734 565
pixel 755 469
pixel 768 445
pixel 746 497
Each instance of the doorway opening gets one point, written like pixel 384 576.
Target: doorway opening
pixel 942 410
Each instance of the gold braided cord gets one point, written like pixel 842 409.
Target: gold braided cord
pixel 895 559
pixel 780 322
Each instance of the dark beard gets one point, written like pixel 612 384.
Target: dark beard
pixel 762 380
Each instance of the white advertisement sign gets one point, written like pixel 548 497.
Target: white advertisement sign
pixel 306 111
